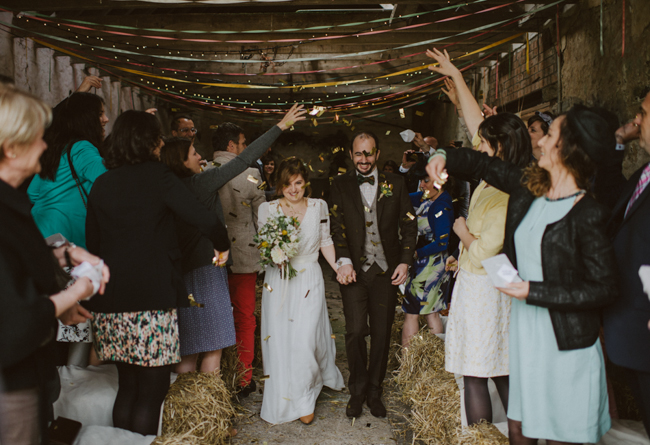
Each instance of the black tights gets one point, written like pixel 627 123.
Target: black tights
pixel 140 394
pixel 478 405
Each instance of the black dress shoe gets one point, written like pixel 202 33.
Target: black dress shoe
pixel 376 406
pixel 355 406
pixel 245 391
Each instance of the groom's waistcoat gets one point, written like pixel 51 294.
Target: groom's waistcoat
pixel 373 250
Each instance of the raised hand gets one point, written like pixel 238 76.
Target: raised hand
pixel 487 111
pixel 88 83
pixel 295 114
pixel 627 133
pixel 451 91
pixel 445 67
pixel 436 167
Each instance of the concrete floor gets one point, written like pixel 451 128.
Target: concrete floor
pixel 330 426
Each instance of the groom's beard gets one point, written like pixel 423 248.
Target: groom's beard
pixel 370 165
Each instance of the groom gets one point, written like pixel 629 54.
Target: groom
pixel 370 210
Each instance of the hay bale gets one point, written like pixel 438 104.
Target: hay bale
pixel 198 406
pixel 396 340
pixel 232 368
pixel 434 396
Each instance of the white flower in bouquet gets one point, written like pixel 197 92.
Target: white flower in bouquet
pixel 278 256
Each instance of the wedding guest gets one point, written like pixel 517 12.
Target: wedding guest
pixel 183 126
pixel 31 297
pixel 70 166
pixel 130 223
pixel 625 322
pixel 424 286
pixel 390 166
pixel 538 125
pixel 298 350
pixel 268 164
pixel 208 326
pixel 555 237
pixel 476 341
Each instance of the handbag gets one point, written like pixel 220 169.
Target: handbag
pixel 82 191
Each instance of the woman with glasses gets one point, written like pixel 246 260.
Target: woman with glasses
pixel 424 292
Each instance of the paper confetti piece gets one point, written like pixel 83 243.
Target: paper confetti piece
pixel 333 212
pixel 437 185
pixel 401 113
pixel 234 239
pixel 352 128
pixel 419 113
pixel 216 164
pixel 252 179
pixel 410 215
pixel 251 245
pixel 369 223
pixel 235 190
pixel 269 288
pixel 333 336
pixel 215 261
pixel 286 399
pixel 291 129
pixel 290 123
pixel 363 259
pixel 264 377
pixel 302 270
pixel 245 204
pixel 444 175
pixel 353 419
pixel 193 302
pixel 342 170
pixel 444 236
pixel 314 122
pixel 388 132
pixel 306 185
pixel 367 209
pixel 439 214
pixel 267 338
pixel 262 186
pixel 307 293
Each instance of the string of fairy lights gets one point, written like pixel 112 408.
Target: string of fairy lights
pixel 174 84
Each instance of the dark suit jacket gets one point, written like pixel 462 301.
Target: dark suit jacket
pixel 626 322
pixel 349 225
pixel 130 224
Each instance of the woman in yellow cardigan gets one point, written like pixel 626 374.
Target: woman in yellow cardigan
pixel 478 325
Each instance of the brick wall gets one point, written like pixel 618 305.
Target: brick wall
pixel 514 82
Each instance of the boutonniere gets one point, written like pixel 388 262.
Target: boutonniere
pixel 386 189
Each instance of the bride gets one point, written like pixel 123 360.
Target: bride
pixel 297 346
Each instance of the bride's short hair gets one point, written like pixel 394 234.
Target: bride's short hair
pixel 289 168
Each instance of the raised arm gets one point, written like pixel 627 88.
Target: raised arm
pixel 466 101
pixel 212 180
pixel 496 172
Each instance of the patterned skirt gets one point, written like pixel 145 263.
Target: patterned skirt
pixel 211 325
pixel 148 338
pixel 424 286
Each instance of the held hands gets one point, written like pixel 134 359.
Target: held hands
pixel 445 67
pixel 400 274
pixel 295 114
pixel 345 274
pixel 517 290
pixel 451 264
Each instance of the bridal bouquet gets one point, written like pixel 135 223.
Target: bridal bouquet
pixel 278 243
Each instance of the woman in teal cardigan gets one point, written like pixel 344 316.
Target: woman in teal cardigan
pixel 74 137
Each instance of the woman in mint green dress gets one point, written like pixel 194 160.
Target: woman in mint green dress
pixel 555 236
pixel 59 198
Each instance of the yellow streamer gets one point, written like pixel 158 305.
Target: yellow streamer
pixel 259 87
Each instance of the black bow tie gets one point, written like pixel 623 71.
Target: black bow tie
pixel 369 179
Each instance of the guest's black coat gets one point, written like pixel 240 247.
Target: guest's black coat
pixel 130 224
pixel 626 323
pixel 577 256
pixel 397 230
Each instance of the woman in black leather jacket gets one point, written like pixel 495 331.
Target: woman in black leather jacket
pixel 555 237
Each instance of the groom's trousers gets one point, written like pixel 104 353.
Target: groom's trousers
pixel 369 308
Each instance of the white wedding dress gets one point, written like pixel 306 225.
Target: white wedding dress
pixel 297 346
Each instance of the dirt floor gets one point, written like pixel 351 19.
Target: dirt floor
pixel 330 426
